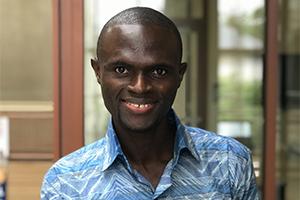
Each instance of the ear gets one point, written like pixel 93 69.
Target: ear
pixel 97 69
pixel 182 69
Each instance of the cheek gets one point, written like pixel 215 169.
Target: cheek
pixel 106 97
pixel 107 92
pixel 110 90
pixel 168 90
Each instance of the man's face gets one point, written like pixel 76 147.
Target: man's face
pixel 139 72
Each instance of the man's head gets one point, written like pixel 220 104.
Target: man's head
pixel 139 67
pixel 140 15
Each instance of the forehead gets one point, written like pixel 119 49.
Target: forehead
pixel 152 33
pixel 139 39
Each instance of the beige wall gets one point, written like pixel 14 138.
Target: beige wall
pixel 25 50
pixel 26 74
pixel 26 90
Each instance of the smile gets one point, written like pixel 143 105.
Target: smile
pixel 139 108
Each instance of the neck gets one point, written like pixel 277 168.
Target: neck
pixel 153 145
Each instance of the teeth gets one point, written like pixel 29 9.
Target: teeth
pixel 139 105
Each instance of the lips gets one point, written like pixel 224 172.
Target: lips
pixel 138 108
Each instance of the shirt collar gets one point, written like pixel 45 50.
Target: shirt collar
pixel 112 148
pixel 183 140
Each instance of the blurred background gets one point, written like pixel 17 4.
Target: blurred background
pixel 51 104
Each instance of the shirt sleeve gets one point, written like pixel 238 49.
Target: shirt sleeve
pixel 48 192
pixel 241 172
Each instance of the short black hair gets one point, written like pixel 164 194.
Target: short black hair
pixel 143 16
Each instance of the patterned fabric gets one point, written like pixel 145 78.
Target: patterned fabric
pixel 204 166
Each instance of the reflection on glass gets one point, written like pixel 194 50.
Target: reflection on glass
pixel 240 69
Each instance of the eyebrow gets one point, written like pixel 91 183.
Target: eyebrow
pixel 128 64
pixel 109 64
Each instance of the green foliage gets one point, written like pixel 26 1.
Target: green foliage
pixel 249 24
pixel 242 101
pixel 239 98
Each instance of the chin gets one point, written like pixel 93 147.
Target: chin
pixel 139 127
pixel 139 122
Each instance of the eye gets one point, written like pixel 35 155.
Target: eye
pixel 121 70
pixel 159 72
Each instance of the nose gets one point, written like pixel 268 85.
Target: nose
pixel 139 84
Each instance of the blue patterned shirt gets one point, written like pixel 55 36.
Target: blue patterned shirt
pixel 204 166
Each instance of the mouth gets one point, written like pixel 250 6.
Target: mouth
pixel 138 108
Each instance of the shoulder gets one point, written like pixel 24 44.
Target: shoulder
pixel 225 159
pixel 228 154
pixel 85 158
pixel 204 140
pixel 74 171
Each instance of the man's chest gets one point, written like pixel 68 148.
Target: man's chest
pixel 185 181
pixel 182 189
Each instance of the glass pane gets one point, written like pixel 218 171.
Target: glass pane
pixel 241 24
pixel 288 137
pixel 240 70
pixel 26 75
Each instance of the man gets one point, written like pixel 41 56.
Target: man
pixel 147 153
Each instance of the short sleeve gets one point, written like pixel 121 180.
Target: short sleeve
pixel 48 192
pixel 242 177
